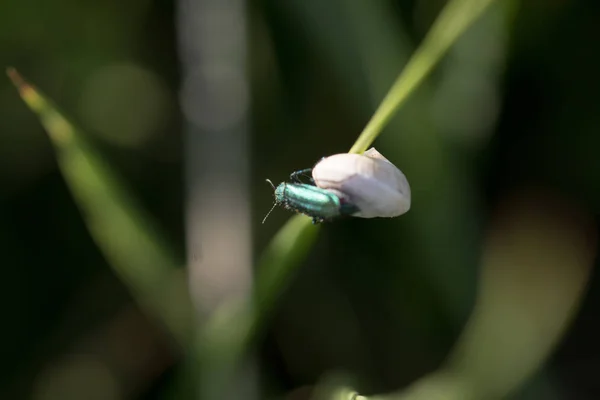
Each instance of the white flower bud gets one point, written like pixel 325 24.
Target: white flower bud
pixel 369 181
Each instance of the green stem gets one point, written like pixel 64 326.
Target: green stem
pixel 454 19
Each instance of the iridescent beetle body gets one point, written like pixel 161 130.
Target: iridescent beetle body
pixel 319 204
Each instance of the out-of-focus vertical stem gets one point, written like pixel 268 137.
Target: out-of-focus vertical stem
pixel 214 98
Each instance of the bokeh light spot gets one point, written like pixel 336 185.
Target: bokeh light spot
pixel 125 103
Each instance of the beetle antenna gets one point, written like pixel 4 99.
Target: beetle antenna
pixel 269 213
pixel 272 208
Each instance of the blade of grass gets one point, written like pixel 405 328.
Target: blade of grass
pixel 117 224
pixel 454 19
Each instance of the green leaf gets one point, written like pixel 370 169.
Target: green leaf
pixel 118 225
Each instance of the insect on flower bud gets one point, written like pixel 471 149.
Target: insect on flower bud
pixel 371 182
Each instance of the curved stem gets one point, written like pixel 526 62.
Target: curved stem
pixel 454 19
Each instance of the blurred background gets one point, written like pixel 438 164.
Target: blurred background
pixel 194 104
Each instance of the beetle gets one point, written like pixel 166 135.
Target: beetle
pixel 319 204
pixel 360 185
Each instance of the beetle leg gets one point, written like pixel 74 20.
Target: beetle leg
pixel 317 220
pixel 294 176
